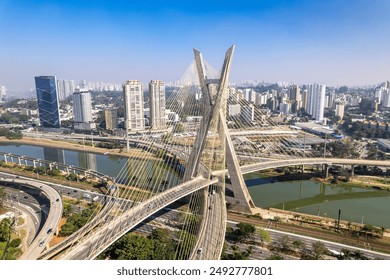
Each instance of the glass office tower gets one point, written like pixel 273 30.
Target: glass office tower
pixel 48 105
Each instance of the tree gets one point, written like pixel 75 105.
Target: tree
pixel 2 197
pixel 14 135
pixel 72 177
pixel 15 242
pixel 275 257
pixel 164 248
pixel 41 170
pixel 132 247
pixel 284 243
pixel 54 172
pixel 297 244
pixel 367 229
pixel 264 236
pixel 367 106
pixel 244 231
pixel 5 230
pixel 67 210
pixel 319 249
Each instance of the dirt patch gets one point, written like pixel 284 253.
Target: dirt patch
pixel 57 239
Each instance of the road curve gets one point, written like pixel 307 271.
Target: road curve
pixel 52 220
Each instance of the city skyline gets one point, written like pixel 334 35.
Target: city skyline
pixel 329 42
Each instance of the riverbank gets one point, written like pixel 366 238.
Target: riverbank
pixel 41 142
pixel 359 181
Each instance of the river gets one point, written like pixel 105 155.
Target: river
pixel 107 164
pixel 356 204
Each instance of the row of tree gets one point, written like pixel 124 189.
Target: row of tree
pixel 75 221
pixel 159 245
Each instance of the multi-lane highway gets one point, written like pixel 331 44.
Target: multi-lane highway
pixel 306 241
pixel 103 237
pixel 52 219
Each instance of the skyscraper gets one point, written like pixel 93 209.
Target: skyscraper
pixel 248 113
pixel 386 99
pixel 295 97
pixel 316 101
pixel 65 88
pixel 111 116
pixel 157 104
pixel 340 109
pixel 48 105
pixel 134 105
pixel 82 110
pixel 3 94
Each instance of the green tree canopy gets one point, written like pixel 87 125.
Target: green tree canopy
pixel 244 231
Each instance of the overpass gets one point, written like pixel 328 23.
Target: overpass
pixel 49 228
pixel 91 246
pixel 269 164
pixel 311 161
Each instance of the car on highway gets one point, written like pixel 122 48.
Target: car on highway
pixel 41 243
pixel 50 230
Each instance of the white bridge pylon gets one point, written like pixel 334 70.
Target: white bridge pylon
pixel 214 96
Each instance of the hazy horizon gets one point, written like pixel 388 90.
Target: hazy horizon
pixel 331 42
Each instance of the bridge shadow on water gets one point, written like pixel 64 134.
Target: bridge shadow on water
pixel 254 179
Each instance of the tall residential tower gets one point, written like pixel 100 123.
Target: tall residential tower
pixel 82 110
pixel 134 105
pixel 315 101
pixel 157 104
pixel 3 94
pixel 111 117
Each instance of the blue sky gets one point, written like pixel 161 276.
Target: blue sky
pixel 332 42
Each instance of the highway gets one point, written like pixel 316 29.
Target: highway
pixel 53 216
pixel 107 234
pixel 311 161
pixel 250 168
pixel 32 205
pixel 307 242
pixel 210 240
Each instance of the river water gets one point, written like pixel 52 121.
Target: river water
pixel 356 204
pixel 111 165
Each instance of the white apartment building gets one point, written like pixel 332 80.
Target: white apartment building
pixel 157 104
pixel 134 105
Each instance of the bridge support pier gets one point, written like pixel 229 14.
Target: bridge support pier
pixel 352 170
pixel 326 170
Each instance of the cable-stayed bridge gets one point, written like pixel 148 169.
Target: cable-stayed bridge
pixel 215 131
